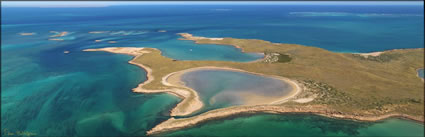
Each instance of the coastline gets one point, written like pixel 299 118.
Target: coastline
pixel 190 97
pixel 173 124
pixel 174 79
pixel 181 93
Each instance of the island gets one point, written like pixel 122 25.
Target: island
pixel 366 87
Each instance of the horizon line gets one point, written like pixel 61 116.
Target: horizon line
pixel 74 4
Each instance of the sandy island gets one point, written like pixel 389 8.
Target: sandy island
pixel 58 34
pixel 191 102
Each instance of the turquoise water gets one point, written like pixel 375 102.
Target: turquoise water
pixel 221 88
pixel 49 93
pixel 296 125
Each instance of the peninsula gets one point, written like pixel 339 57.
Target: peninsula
pixel 366 87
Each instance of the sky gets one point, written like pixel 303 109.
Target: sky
pixel 115 3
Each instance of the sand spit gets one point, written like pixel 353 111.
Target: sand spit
pixel 175 80
pixel 98 32
pixel 188 36
pixel 173 124
pixel 56 39
pixel 190 100
pixel 59 34
pixel 122 50
pixel 27 34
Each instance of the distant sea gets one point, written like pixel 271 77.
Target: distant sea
pixel 49 93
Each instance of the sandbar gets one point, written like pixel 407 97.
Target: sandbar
pixel 190 100
pixel 26 34
pixel 59 34
pixel 187 36
pixel 98 32
pixel 57 39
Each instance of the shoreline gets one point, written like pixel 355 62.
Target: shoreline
pixel 189 96
pixel 187 36
pixel 180 90
pixel 181 93
pixel 176 80
pixel 173 124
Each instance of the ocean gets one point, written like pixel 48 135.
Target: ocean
pixel 49 93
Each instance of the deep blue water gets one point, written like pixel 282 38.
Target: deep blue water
pixel 50 93
pixel 361 29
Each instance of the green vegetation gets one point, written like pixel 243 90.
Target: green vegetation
pixel 275 57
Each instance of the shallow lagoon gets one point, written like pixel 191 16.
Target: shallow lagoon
pixel 223 88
